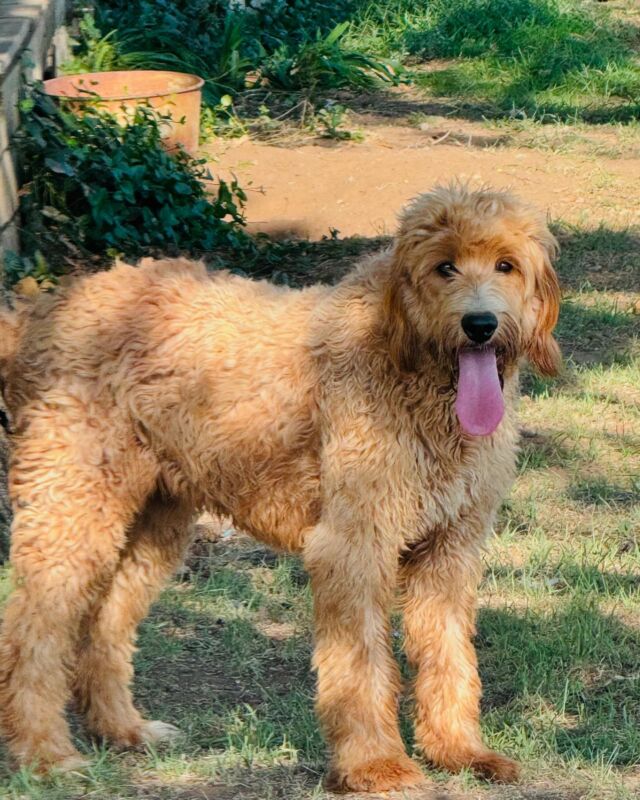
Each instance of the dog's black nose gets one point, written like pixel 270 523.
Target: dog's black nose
pixel 480 327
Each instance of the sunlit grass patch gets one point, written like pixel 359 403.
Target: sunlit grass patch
pixel 567 137
pixel 546 59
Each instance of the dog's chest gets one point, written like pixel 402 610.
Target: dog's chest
pixel 463 481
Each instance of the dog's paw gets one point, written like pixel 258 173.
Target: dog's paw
pixel 70 763
pixel 495 767
pixel 378 775
pixel 156 732
pixel 48 758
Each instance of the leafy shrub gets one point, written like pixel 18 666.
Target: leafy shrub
pixel 296 22
pixel 296 42
pixel 108 186
pixel 34 266
pixel 324 64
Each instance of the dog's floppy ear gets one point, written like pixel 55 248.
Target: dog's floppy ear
pixel 401 334
pixel 543 350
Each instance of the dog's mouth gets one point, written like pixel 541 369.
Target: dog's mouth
pixel 479 401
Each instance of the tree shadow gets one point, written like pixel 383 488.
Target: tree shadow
pixel 544 450
pixel 299 262
pixel 604 258
pixel 581 664
pixel 601 492
pixel 230 681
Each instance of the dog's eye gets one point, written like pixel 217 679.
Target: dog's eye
pixel 447 270
pixel 504 266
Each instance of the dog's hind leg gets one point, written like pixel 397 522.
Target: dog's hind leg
pixel 77 480
pixel 439 601
pixel 155 546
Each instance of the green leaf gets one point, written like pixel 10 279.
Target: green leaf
pixel 59 167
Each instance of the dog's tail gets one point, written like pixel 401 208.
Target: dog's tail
pixel 10 325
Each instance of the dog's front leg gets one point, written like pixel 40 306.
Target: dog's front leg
pixel 352 558
pixel 439 601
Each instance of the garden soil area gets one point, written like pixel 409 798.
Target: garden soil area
pixel 358 188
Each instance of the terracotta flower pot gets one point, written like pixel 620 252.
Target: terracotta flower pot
pixel 170 93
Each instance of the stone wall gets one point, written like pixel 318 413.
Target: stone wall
pixel 33 41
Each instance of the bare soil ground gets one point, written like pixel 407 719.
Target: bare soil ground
pixel 311 187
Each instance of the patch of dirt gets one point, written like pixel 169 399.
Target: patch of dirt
pixel 193 676
pixel 306 191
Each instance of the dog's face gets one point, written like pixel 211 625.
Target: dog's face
pixel 472 277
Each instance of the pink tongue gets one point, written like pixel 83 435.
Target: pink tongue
pixel 479 404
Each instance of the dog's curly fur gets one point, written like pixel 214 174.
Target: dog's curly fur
pixel 322 420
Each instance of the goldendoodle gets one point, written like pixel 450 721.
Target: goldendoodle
pixel 370 426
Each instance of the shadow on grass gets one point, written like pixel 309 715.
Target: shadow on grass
pixel 603 258
pixel 575 669
pixel 230 685
pixel 566 679
pixel 600 258
pixel 543 450
pixel 299 262
pixel 472 99
pixel 601 492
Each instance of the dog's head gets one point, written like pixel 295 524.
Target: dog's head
pixel 472 283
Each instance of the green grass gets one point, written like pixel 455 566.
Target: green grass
pixel 546 59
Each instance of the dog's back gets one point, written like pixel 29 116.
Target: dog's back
pixel 212 371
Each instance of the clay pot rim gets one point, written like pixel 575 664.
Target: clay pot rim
pixel 87 94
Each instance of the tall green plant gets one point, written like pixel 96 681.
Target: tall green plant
pixel 325 63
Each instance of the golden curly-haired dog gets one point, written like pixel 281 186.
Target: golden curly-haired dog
pixel 370 426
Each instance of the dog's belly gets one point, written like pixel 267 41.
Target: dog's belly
pixel 259 467
pixel 275 501
pixel 279 509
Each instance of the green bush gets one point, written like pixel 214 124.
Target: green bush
pixel 324 63
pixel 109 187
pixel 298 43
